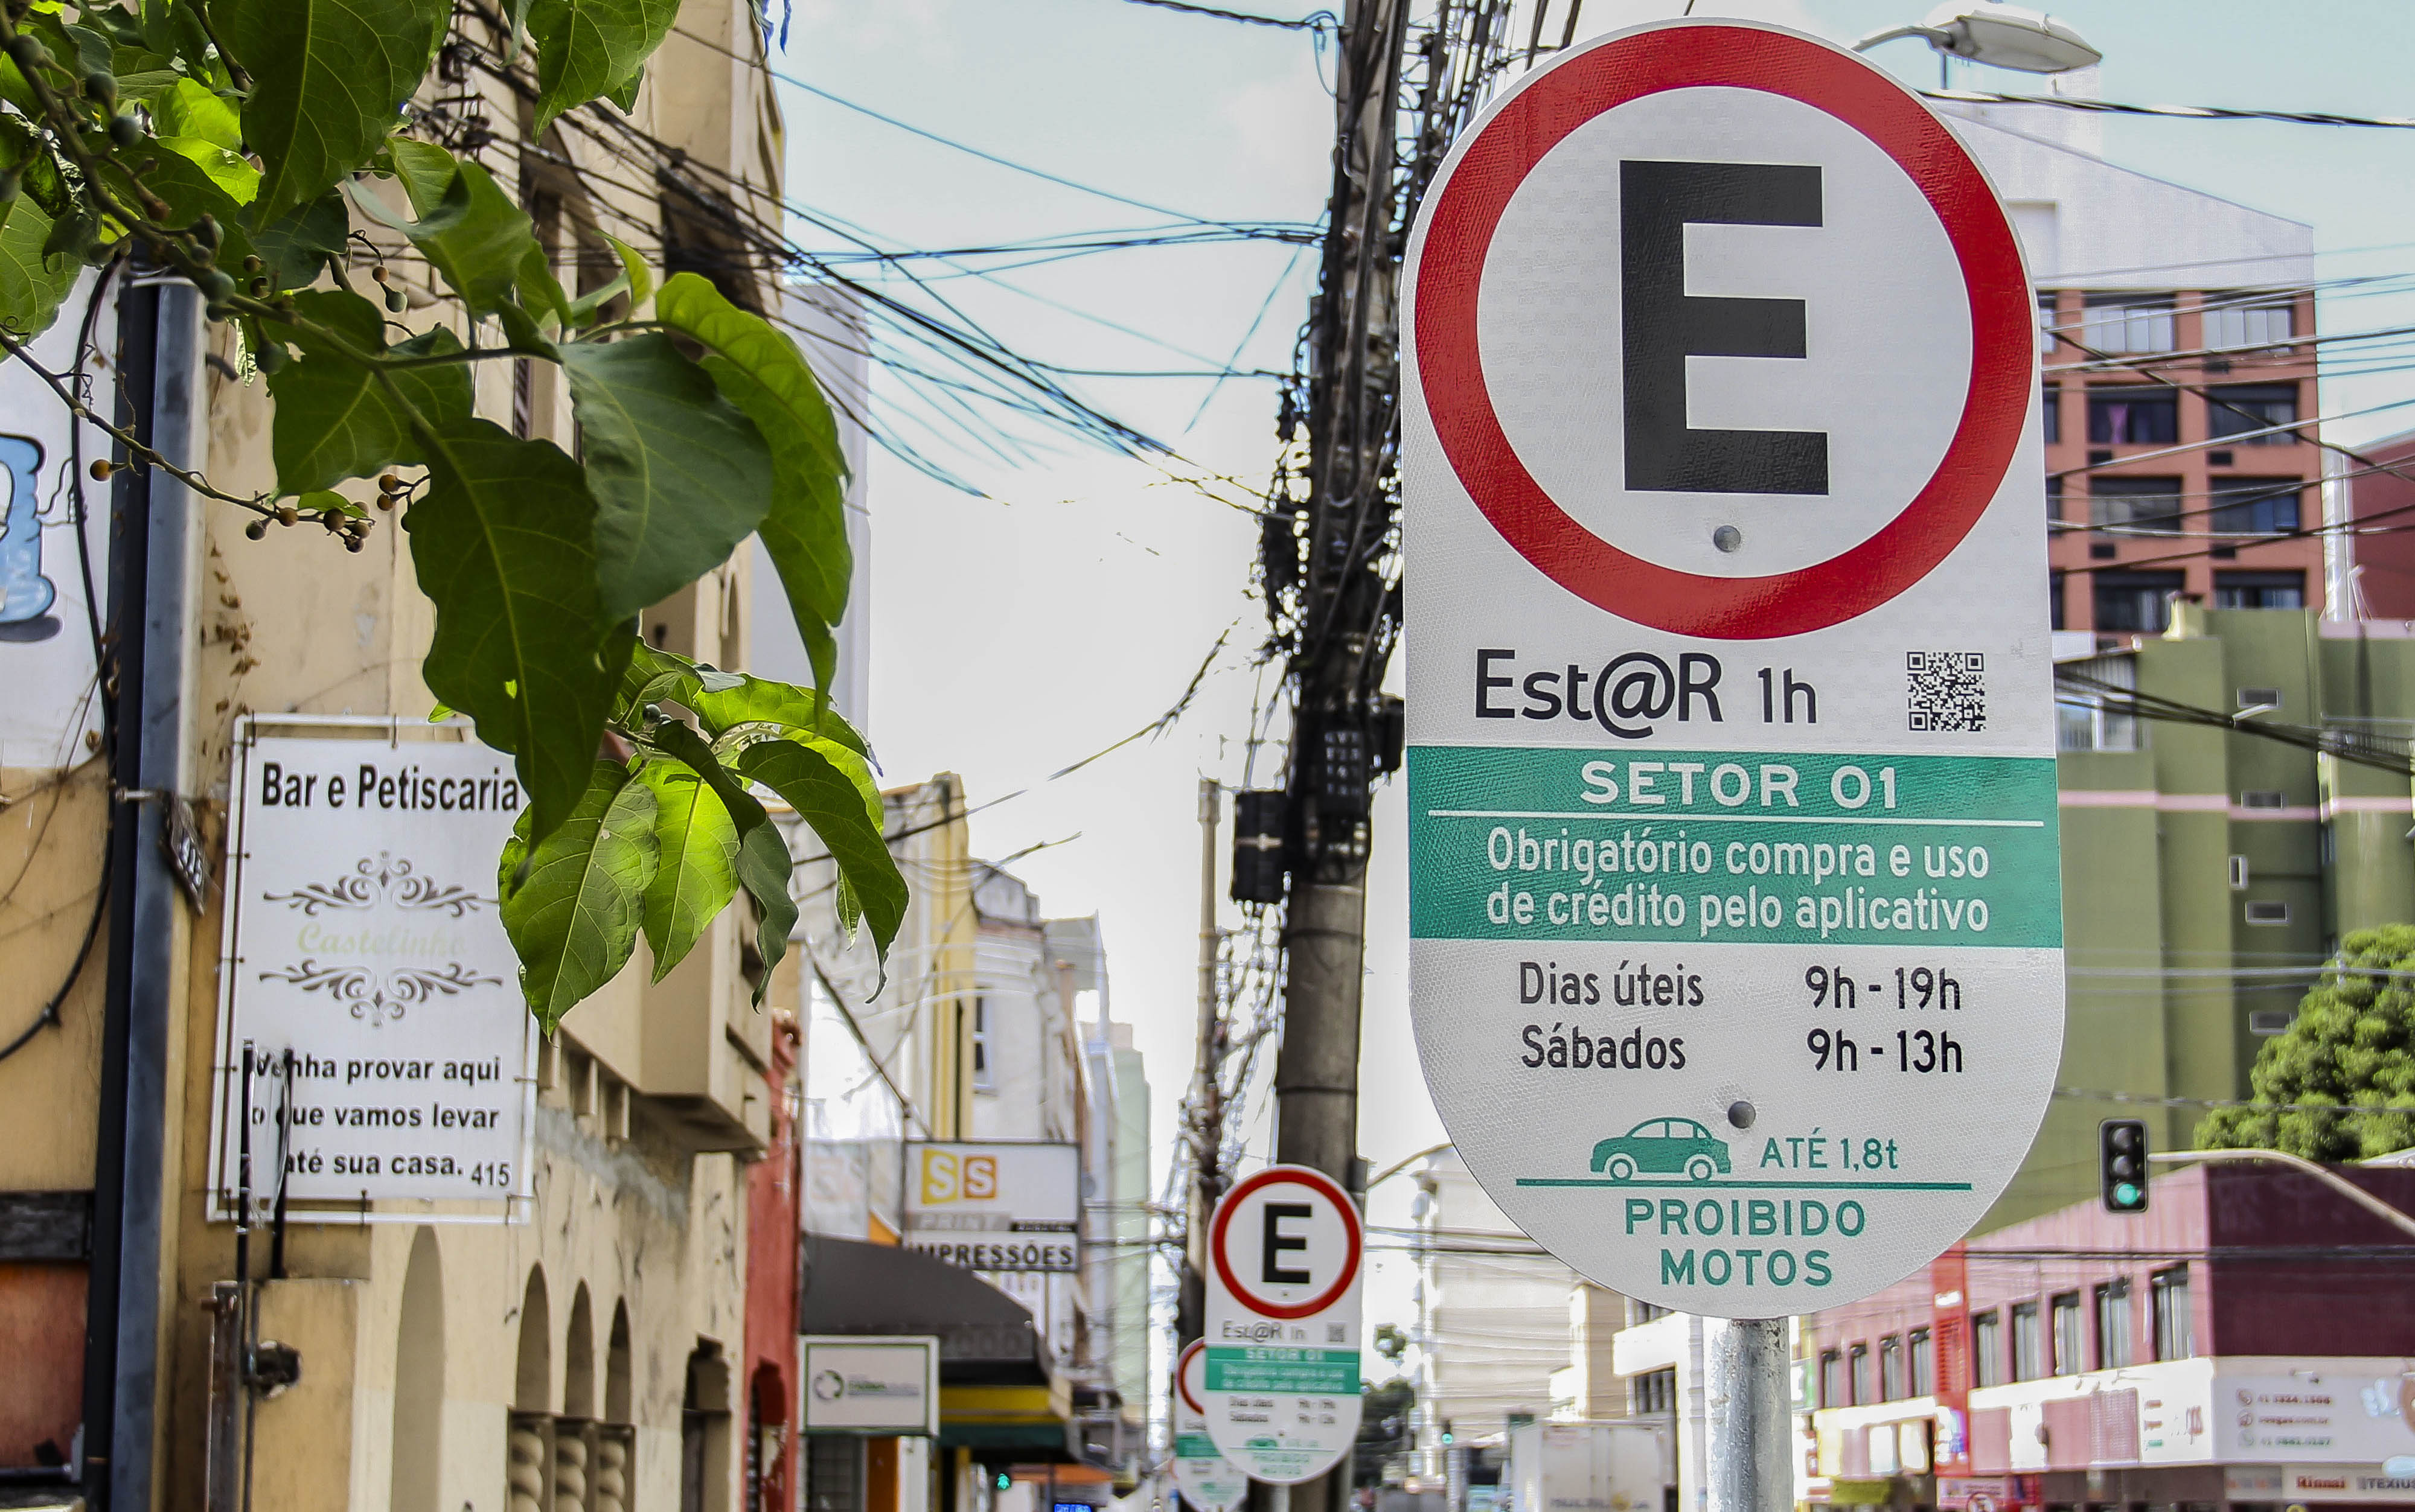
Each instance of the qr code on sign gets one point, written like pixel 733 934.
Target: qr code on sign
pixel 1946 690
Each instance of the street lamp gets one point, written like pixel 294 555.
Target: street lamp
pixel 1998 35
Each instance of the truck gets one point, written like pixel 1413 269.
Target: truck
pixel 1589 1467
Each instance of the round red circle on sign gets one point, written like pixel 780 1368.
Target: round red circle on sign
pixel 1297 1175
pixel 1459 231
pixel 1190 1351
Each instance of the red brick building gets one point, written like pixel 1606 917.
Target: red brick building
pixel 2380 556
pixel 2173 464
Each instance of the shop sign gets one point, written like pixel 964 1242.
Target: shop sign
pixel 1735 911
pixel 48 553
pixel 1000 1206
pixel 1281 1383
pixel 875 1385
pixel 1985 1493
pixel 364 966
pixel 2319 1415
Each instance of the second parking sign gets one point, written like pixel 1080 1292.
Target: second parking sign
pixel 1735 903
pixel 1280 1392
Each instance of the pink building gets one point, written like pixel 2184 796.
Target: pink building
pixel 2248 1342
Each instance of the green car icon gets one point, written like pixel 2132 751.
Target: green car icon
pixel 1664 1144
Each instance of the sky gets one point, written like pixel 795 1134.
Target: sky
pixel 1066 598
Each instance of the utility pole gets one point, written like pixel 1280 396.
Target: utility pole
pixel 1330 560
pixel 1204 1114
pixel 1344 641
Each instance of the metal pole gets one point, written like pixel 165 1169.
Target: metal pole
pixel 1205 1123
pixel 1747 1467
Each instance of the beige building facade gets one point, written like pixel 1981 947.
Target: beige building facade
pixel 589 1352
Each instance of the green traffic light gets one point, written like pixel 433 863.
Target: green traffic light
pixel 2126 1193
pixel 1005 1481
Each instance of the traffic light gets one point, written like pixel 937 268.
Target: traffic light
pixel 2121 1159
pixel 1005 1481
pixel 1446 1431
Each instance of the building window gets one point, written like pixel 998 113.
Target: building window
pixel 1831 1379
pixel 2113 1324
pixel 1987 1349
pixel 2133 415
pixel 2249 320
pixel 1892 1385
pixel 1858 1374
pixel 2054 601
pixel 1654 1391
pixel 2256 506
pixel 2240 408
pixel 2068 1345
pixel 2082 721
pixel 2028 1345
pixel 1923 1353
pixel 2047 318
pixel 2128 322
pixel 985 1078
pixel 2175 1327
pixel 2134 506
pixel 2268 912
pixel 2135 600
pixel 2270 1021
pixel 2052 408
pixel 1639 1311
pixel 2259 591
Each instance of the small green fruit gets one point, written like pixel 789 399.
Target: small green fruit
pixel 125 131
pixel 395 301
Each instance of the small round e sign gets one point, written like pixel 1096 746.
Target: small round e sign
pixel 1279 1383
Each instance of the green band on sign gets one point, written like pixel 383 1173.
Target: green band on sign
pixel 1297 1371
pixel 1754 848
pixel 1195 1447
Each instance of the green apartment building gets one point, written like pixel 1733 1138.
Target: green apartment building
pixel 2207 871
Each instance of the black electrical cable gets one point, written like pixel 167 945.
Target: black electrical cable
pixel 1320 20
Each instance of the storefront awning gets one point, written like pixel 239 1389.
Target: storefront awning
pixel 986 1338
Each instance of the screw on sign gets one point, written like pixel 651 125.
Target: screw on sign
pixel 1735 905
pixel 1278 1386
pixel 1206 1479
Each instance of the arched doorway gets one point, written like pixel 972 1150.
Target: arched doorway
pixel 418 1439
pixel 528 1451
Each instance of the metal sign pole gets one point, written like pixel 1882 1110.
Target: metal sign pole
pixel 1745 1403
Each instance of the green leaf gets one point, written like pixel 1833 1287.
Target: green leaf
pixel 584 308
pixel 626 96
pixel 686 745
pixel 426 172
pixel 832 790
pixel 680 476
pixel 540 291
pixel 469 229
pixel 588 49
pixel 503 541
pixel 698 874
pixel 335 420
pixel 189 109
pixel 804 530
pixel 641 277
pixel 571 905
pixel 31 284
pixel 328 79
pixel 302 240
pixel 763 869
pixel 761 701
pixel 230 171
